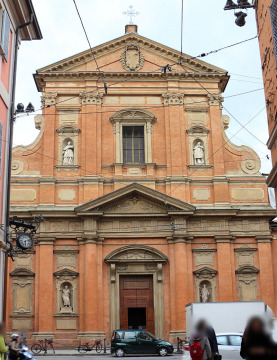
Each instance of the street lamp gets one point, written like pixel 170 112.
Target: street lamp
pixel 241 4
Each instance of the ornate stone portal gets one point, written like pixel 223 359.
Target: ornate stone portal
pixel 137 260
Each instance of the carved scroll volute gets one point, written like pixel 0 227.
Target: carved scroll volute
pixel 113 273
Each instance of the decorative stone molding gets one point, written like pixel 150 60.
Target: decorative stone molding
pixel 66 258
pixel 91 98
pixel 23 261
pixel 17 166
pixel 247 194
pixel 133 117
pixel 215 100
pixel 48 99
pixel 250 166
pixel 247 283
pixel 39 124
pixel 204 256
pixel 250 163
pixel 135 259
pixel 66 277
pixel 68 133
pixel 245 255
pixel 197 116
pixel 132 58
pixel 22 290
pixel 205 276
pixel 201 194
pixel 172 98
pixel 225 119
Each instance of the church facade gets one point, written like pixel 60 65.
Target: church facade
pixel 148 205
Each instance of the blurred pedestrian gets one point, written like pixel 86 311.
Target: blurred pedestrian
pixel 14 348
pixel 199 345
pixel 3 349
pixel 256 343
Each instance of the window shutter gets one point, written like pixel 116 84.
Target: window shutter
pixel 273 15
pixel 5 34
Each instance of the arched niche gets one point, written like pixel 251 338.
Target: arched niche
pixel 67 134
pixel 207 284
pixel 66 277
pixel 133 117
pixel 205 276
pixel 137 260
pixel 198 134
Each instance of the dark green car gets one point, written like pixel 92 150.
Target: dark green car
pixel 138 342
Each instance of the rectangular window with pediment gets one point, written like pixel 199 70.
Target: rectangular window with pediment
pixel 133 145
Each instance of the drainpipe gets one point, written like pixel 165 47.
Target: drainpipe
pixel 8 186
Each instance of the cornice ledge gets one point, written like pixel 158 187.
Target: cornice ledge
pixel 45 240
pixel 272 177
pixel 204 250
pixel 263 238
pixel 66 251
pixel 272 137
pixel 224 238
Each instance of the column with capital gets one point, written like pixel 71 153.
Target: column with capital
pixel 45 292
pixel 225 273
pixel 221 193
pixel 90 286
pixel 266 270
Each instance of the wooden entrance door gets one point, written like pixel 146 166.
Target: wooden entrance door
pixel 136 291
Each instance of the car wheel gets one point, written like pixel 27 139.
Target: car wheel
pixel 119 352
pixel 163 351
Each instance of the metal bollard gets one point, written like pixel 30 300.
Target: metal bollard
pixel 105 346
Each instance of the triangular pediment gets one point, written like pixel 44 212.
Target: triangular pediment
pixel 135 199
pixel 205 271
pixel 110 57
pixel 66 272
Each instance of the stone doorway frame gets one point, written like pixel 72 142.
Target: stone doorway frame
pixel 137 260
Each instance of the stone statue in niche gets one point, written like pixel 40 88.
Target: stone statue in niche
pixel 204 292
pixel 68 154
pixel 199 154
pixel 66 296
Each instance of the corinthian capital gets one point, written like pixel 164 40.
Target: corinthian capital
pixel 48 99
pixel 172 98
pixel 91 98
pixel 215 100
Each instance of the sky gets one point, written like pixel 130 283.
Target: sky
pixel 206 27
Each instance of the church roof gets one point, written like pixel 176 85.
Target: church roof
pixel 168 56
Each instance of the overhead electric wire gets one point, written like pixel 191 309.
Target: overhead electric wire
pixel 225 142
pixel 143 74
pixel 182 22
pixel 102 77
pixel 212 95
pixel 145 107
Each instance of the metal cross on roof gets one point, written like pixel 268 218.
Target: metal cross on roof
pixel 131 12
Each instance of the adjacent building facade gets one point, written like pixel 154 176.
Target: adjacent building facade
pixel 148 205
pixel 266 16
pixel 12 15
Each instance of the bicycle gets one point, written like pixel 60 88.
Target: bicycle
pixel 82 349
pixel 42 346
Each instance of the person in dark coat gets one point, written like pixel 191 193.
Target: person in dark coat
pixel 256 343
pixel 212 339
